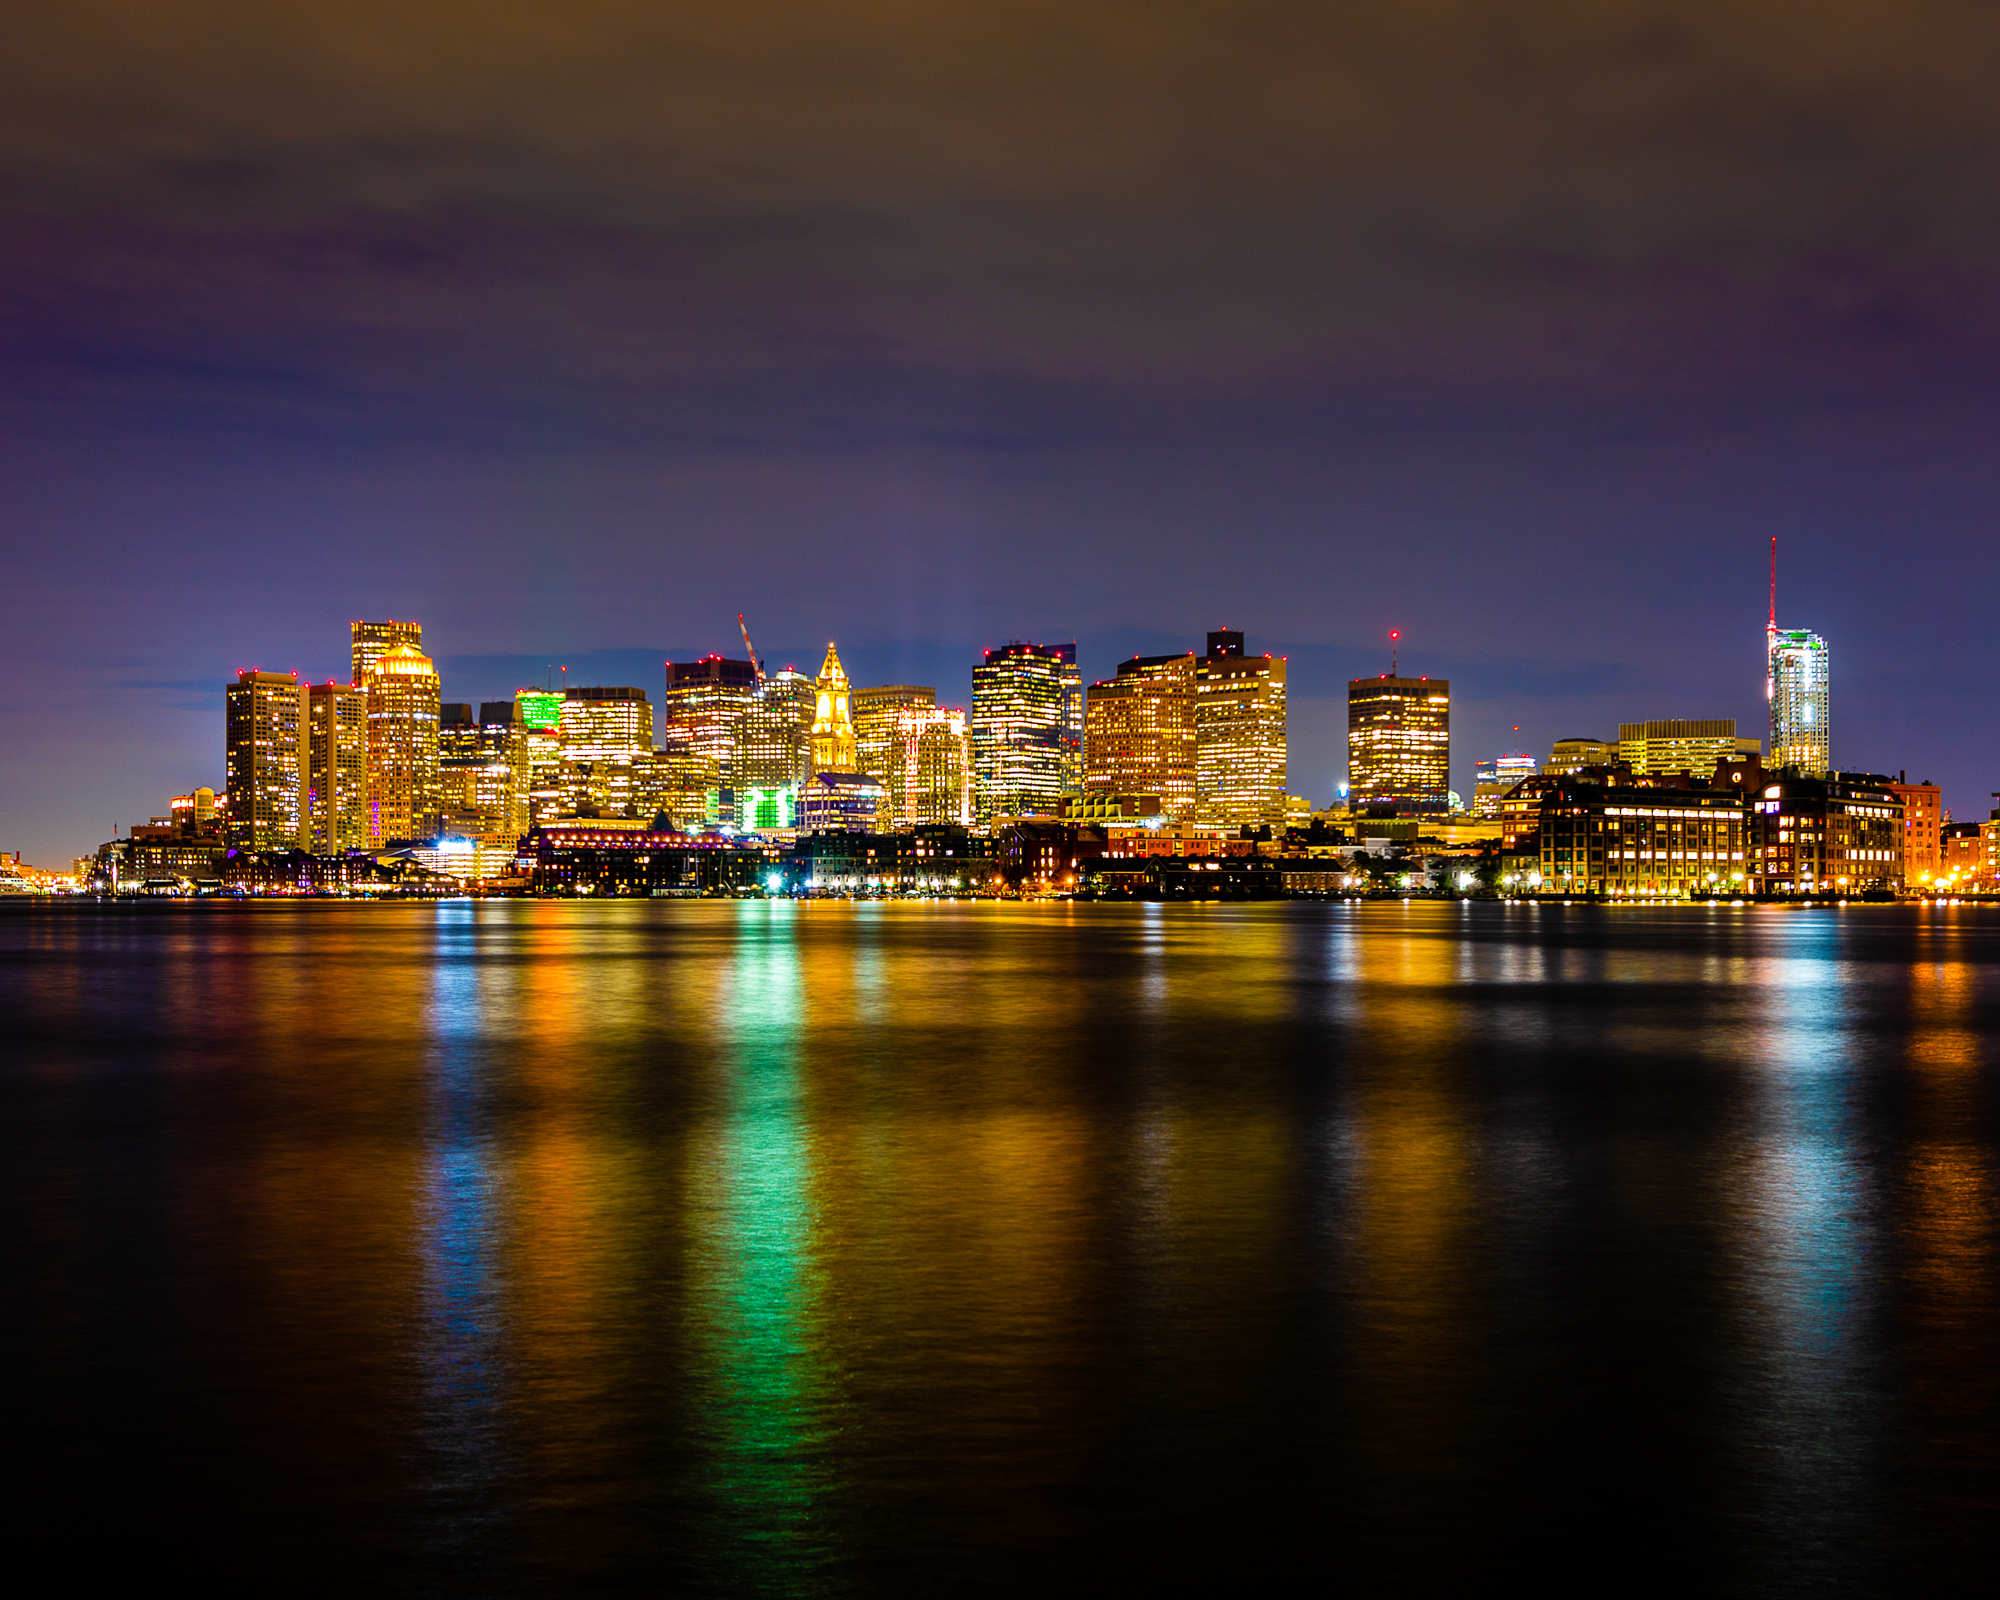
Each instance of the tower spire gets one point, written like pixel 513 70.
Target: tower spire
pixel 1395 638
pixel 1773 625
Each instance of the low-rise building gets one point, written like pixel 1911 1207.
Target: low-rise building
pixel 1628 840
pixel 1839 834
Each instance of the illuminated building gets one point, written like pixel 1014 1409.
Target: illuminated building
pixel 1923 823
pixel 878 710
pixel 677 783
pixel 833 718
pixel 369 641
pixel 1139 732
pixel 336 769
pixel 1026 730
pixel 1239 735
pixel 263 713
pixel 483 769
pixel 931 782
pixel 1641 842
pixel 767 810
pixel 1796 681
pixel 538 716
pixel 194 809
pixel 403 702
pixel 1492 779
pixel 1399 744
pixel 601 722
pixel 838 802
pixel 1839 834
pixel 1651 748
pixel 704 707
pixel 774 734
pixel 1570 756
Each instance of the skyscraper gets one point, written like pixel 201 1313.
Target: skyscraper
pixel 483 772
pixel 833 717
pixel 369 641
pixel 1399 744
pixel 1026 730
pixel 262 712
pixel 335 802
pixel 601 722
pixel 1139 732
pixel 931 782
pixel 1796 682
pixel 403 702
pixel 538 714
pixel 702 713
pixel 878 713
pixel 1239 735
pixel 1677 745
pixel 774 736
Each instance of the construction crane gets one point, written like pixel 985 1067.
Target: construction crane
pixel 747 645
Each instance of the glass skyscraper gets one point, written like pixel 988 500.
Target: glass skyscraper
pixel 1796 683
pixel 1399 744
pixel 1027 730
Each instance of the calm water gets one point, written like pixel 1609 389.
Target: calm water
pixel 763 1247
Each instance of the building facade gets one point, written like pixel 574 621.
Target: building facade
pixel 368 642
pixel 1835 835
pixel 1570 756
pixel 264 733
pixel 335 799
pixel 1240 755
pixel 1492 779
pixel 703 711
pixel 1139 732
pixel 1923 831
pixel 1674 745
pixel 878 723
pixel 483 769
pixel 1026 729
pixel 403 712
pixel 774 737
pixel 1641 841
pixel 1399 744
pixel 931 782
pixel 1797 683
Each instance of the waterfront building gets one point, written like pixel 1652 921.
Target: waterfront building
pixel 403 710
pixel 1674 745
pixel 702 713
pixel 1493 778
pixel 931 781
pixel 1797 682
pixel 1969 853
pixel 1923 824
pixel 774 735
pixel 335 802
pixel 1026 729
pixel 1139 732
pixel 263 715
pixel 833 748
pixel 369 641
pixel 1399 744
pixel 1569 756
pixel 1239 735
pixel 1838 834
pixel 1650 841
pixel 878 724
pixel 538 717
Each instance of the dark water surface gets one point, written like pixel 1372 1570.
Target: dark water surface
pixel 781 1248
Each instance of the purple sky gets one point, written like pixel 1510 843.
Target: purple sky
pixel 575 330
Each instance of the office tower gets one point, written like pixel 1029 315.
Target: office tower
pixel 403 702
pixel 1239 735
pixel 1492 779
pixel 370 641
pixel 1399 744
pixel 1026 729
pixel 1571 756
pixel 774 736
pixel 704 707
pixel 262 712
pixel 538 714
pixel 1652 748
pixel 336 769
pixel 1139 732
pixel 483 773
pixel 833 717
pixel 195 810
pixel 601 722
pixel 878 724
pixel 931 779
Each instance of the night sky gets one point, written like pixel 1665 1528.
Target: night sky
pixel 573 330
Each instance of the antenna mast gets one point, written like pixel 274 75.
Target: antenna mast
pixel 1395 637
pixel 747 645
pixel 1774 583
